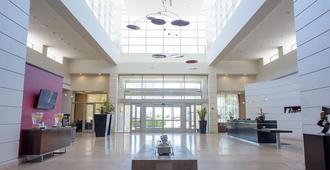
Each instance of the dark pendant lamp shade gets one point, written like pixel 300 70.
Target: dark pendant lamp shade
pixel 157 21
pixel 191 61
pixel 180 23
pixel 133 27
pixel 150 18
pixel 158 56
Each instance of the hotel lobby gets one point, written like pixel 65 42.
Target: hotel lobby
pixel 164 84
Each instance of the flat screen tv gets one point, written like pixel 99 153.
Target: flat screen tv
pixel 46 99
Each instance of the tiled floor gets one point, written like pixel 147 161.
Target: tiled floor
pixel 213 151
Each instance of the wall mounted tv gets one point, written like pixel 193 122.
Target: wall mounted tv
pixel 46 99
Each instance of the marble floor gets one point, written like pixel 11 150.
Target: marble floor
pixel 213 151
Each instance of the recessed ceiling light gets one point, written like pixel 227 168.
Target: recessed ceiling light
pixel 191 61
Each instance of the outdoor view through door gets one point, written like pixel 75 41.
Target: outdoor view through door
pixel 160 103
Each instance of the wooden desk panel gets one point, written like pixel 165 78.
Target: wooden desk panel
pixel 42 141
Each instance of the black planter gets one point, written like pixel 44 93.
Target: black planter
pixel 102 125
pixel 202 126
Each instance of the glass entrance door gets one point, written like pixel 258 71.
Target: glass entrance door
pixel 162 119
pixel 88 121
pixel 135 118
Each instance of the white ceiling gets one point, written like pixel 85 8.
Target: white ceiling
pixel 48 28
pixel 275 30
pixel 181 7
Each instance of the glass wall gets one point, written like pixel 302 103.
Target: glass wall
pixel 167 39
pixel 164 102
pixel 108 13
pixel 228 106
pixel 219 12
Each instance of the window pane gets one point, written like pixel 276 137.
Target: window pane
pixel 171 41
pixel 155 41
pixel 154 49
pixel 155 33
pixel 167 113
pixel 172 49
pixel 189 41
pixel 189 34
pixel 137 41
pixel 176 124
pixel 137 33
pixel 189 49
pixel 137 49
pixel 167 124
pixel 177 113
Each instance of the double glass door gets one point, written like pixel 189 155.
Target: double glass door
pixel 158 118
pixel 163 118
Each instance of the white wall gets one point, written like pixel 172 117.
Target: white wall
pixel 46 63
pixel 313 41
pixel 14 22
pixel 283 66
pixel 234 82
pixel 272 97
pixel 90 82
pixel 101 66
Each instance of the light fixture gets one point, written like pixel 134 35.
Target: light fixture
pixel 159 56
pixel 158 18
pixel 191 61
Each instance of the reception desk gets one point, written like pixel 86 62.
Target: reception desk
pixel 248 130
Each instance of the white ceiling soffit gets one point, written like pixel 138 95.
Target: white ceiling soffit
pixel 181 7
pixel 47 27
pixel 275 30
pixel 257 18
pixel 95 42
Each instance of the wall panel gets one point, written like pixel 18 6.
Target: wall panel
pixel 14 23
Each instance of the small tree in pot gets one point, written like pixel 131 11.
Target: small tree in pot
pixel 202 123
pixel 103 121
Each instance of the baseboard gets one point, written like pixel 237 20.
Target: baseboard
pixel 9 164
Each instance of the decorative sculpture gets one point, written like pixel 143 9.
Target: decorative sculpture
pixel 164 147
pixel 324 122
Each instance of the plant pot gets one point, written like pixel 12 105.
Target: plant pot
pixel 102 125
pixel 202 126
pixel 73 134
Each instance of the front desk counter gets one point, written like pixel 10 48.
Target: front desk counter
pixel 248 130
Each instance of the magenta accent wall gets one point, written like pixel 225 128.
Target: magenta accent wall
pixel 36 79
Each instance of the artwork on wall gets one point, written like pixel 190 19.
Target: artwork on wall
pixel 292 109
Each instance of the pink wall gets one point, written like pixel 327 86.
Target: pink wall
pixel 36 79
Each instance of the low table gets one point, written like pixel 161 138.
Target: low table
pixel 147 159
pixel 277 132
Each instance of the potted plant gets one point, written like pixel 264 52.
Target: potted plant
pixel 261 116
pixel 73 126
pixel 102 121
pixel 202 122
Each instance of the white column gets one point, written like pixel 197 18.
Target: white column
pixel 212 100
pixel 14 18
pixel 113 97
pixel 313 42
